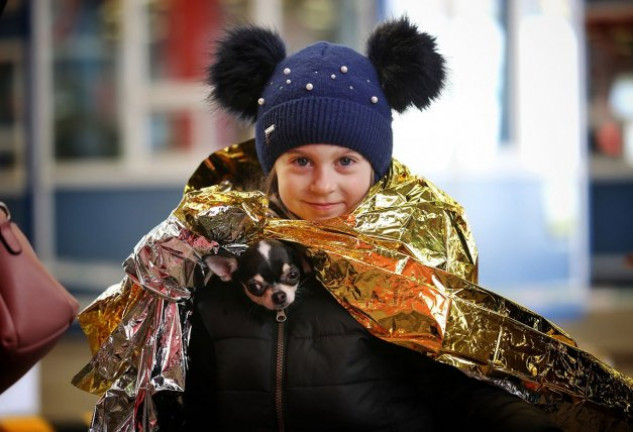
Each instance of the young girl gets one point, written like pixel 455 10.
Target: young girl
pixel 323 135
pixel 389 315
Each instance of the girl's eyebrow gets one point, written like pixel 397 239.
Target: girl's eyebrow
pixel 343 152
pixel 351 153
pixel 296 152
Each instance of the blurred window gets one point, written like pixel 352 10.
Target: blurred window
pixel 128 77
pixel 345 22
pixel 470 122
pixel 85 38
pixel 13 30
pixel 180 36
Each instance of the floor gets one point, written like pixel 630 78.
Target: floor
pixel 63 403
pixel 605 332
pixel 607 328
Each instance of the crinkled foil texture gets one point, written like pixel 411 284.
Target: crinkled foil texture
pixel 403 264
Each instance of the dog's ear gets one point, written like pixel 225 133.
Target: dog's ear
pixel 306 264
pixel 300 253
pixel 224 267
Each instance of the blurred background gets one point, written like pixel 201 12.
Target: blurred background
pixel 103 118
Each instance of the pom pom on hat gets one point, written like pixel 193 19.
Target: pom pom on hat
pixel 244 61
pixel 326 93
pixel 410 69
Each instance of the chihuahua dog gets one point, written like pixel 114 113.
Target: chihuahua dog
pixel 269 271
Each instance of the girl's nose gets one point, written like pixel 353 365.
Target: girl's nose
pixel 323 181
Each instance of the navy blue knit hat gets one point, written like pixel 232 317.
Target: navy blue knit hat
pixel 326 93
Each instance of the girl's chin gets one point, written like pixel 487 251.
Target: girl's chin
pixel 320 212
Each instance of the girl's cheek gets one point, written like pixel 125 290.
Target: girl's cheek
pixel 298 170
pixel 286 181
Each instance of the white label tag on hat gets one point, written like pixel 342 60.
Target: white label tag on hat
pixel 270 129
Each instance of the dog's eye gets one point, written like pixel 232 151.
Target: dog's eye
pixel 293 276
pixel 255 288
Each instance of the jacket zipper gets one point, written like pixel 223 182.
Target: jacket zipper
pixel 281 319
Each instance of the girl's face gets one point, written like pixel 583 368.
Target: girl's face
pixel 322 181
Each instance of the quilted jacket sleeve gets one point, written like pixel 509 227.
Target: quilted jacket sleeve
pixel 464 403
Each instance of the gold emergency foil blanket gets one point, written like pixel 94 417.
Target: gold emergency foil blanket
pixel 403 264
pixel 485 335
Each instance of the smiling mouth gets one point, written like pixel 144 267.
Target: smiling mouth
pixel 322 206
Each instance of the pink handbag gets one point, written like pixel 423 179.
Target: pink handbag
pixel 35 310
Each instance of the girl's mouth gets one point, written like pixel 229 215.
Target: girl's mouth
pixel 323 206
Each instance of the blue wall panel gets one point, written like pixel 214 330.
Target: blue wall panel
pixel 95 225
pixel 611 217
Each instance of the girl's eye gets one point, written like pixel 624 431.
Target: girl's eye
pixel 346 161
pixel 301 161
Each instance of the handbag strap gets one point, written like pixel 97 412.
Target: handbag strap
pixel 7 236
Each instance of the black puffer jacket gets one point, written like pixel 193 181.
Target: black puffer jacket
pixel 320 370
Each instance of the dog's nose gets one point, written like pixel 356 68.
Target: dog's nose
pixel 279 297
